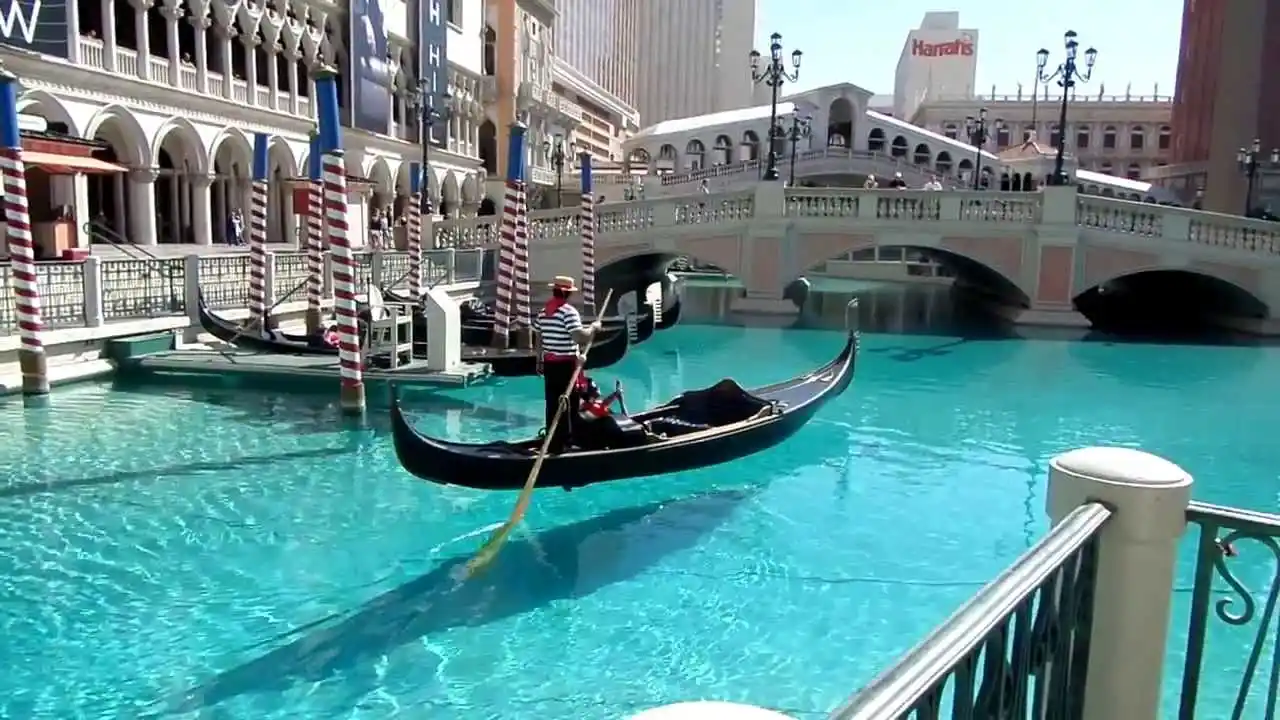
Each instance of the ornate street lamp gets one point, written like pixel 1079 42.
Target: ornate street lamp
pixel 1068 75
pixel 558 151
pixel 431 109
pixel 1251 160
pixel 798 131
pixel 774 74
pixel 979 132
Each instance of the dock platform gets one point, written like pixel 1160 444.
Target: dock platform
pixel 274 366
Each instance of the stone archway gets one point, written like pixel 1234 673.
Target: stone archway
pixel 840 122
pixel 231 156
pixel 119 209
pixel 470 193
pixel 403 187
pixel 282 167
pixel 180 163
pixel 46 105
pixel 450 195
pixel 53 190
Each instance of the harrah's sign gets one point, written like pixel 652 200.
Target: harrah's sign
pixel 958 48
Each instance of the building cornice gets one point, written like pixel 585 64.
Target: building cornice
pixel 571 78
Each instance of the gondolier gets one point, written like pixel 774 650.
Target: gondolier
pixel 560 338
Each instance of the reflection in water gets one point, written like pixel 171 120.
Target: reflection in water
pixel 570 561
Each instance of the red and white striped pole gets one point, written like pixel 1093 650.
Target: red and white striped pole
pixel 315 236
pixel 17 215
pixel 258 235
pixel 507 237
pixel 414 231
pixel 524 303
pixel 334 168
pixel 588 238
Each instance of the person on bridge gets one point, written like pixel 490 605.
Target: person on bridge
pixel 561 336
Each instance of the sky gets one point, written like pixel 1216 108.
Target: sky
pixel 860 41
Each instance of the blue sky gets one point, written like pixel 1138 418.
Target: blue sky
pixel 860 41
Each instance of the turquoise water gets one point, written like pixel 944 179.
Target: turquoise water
pixel 221 554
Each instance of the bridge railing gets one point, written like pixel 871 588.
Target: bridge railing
pixel 1059 207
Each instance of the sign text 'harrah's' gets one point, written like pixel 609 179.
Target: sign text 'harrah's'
pixel 961 47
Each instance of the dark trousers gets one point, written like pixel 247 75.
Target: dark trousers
pixel 555 381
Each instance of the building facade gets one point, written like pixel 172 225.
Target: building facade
pixel 1227 95
pixel 939 63
pixel 597 54
pixel 173 92
pixel 1127 135
pixel 695 57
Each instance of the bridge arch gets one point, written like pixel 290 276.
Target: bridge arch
pixel 1161 298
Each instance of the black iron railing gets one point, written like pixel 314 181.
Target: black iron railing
pixel 1224 535
pixel 1017 649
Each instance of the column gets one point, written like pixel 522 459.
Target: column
pixel 273 76
pixel 1137 553
pixel 172 13
pixel 251 42
pixel 142 221
pixel 140 9
pixel 175 203
pixel 201 228
pixel 119 206
pixel 226 35
pixel 82 209
pixel 109 35
pixel 201 26
pixel 291 82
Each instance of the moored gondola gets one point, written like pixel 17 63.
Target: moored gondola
pixel 697 429
pixel 477 319
pixel 609 349
pixel 234 333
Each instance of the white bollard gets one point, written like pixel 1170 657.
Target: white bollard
pixel 709 710
pixel 1137 553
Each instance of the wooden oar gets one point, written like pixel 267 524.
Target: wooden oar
pixel 490 549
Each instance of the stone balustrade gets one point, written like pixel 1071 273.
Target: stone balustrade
pixel 97 291
pixel 886 209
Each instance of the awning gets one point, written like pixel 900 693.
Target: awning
pixel 57 164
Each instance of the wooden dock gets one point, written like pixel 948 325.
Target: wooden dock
pixel 319 367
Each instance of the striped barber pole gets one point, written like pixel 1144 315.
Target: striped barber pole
pixel 315 245
pixel 588 236
pixel 17 215
pixel 414 240
pixel 344 268
pixel 506 262
pixel 524 301
pixel 258 252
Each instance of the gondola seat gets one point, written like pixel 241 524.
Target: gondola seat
pixel 724 403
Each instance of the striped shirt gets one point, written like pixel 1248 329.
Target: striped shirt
pixel 557 332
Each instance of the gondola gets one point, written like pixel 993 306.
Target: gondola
pixel 671 315
pixel 697 429
pixel 477 319
pixel 233 333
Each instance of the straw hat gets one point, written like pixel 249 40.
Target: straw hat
pixel 564 282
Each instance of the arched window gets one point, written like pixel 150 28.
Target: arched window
pixel 1109 137
pixel 1055 135
pixel 1082 137
pixel 899 147
pixel 922 154
pixel 875 140
pixel 695 154
pixel 951 130
pixel 1137 137
pixel 1166 138
pixel 1134 171
pixel 1002 137
pixel 724 151
pixel 1105 168
pixel 943 163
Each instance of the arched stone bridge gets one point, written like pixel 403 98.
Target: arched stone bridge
pixel 1050 246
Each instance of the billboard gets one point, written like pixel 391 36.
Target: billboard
pixel 370 75
pixel 36 25
pixel 433 47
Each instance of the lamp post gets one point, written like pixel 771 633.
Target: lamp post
pixel 1068 75
pixel 558 151
pixel 774 74
pixel 798 131
pixel 979 133
pixel 1251 160
pixel 430 115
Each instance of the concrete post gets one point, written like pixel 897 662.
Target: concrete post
pixel 1136 557
pixel 93 297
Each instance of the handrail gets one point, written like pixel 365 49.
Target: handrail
pixel 898 690
pixel 117 240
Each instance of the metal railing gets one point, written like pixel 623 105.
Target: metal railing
pixel 1218 571
pixel 1019 648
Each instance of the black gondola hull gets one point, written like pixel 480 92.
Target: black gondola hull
pixel 234 333
pixel 506 466
pixel 608 350
pixel 477 325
